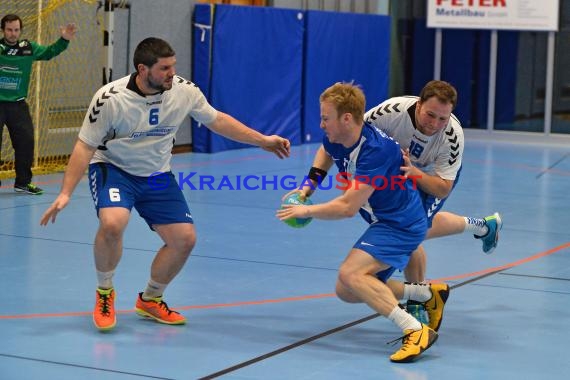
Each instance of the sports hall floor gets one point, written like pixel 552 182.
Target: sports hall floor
pixel 258 294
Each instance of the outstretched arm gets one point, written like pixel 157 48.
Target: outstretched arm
pixel 68 31
pixel 76 167
pixel 231 128
pixel 47 52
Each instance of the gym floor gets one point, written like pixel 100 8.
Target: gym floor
pixel 258 294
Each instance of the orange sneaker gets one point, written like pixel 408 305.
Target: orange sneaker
pixel 158 310
pixel 104 313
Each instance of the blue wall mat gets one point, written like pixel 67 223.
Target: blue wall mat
pixel 201 65
pixel 343 47
pixel 257 69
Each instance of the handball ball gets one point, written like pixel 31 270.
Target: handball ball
pixel 293 199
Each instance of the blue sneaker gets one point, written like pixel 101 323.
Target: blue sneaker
pixel 491 239
pixel 418 311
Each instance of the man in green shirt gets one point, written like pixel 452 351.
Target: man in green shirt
pixel 16 58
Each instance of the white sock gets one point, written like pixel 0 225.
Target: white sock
pixel 404 320
pixel 476 226
pixel 105 279
pixel 416 292
pixel 153 290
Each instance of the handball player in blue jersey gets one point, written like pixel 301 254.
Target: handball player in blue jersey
pixel 373 185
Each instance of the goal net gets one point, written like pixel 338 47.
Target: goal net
pixel 60 89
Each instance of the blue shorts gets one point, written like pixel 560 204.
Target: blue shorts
pixel 113 187
pixel 432 204
pixel 391 245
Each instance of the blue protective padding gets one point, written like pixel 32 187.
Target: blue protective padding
pixel 343 47
pixel 201 69
pixel 257 70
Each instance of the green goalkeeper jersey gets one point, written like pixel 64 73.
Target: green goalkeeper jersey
pixel 16 65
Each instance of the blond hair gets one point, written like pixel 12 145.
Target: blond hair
pixel 347 98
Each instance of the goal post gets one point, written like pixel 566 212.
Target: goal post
pixel 61 89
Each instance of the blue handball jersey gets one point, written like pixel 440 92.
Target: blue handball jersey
pixel 378 158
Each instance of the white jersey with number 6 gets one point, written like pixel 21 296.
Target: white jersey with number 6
pixel 136 132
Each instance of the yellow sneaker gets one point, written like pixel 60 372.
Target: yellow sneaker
pixel 104 313
pixel 414 342
pixel 434 306
pixel 158 310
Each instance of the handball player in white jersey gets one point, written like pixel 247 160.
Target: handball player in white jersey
pixel 125 140
pixel 433 139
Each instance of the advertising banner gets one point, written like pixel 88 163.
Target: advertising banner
pixel 535 15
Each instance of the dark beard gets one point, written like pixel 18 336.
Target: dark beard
pixel 154 86
pixel 158 87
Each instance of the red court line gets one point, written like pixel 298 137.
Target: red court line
pixel 211 306
pixel 297 298
pixel 507 266
pixel 261 302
